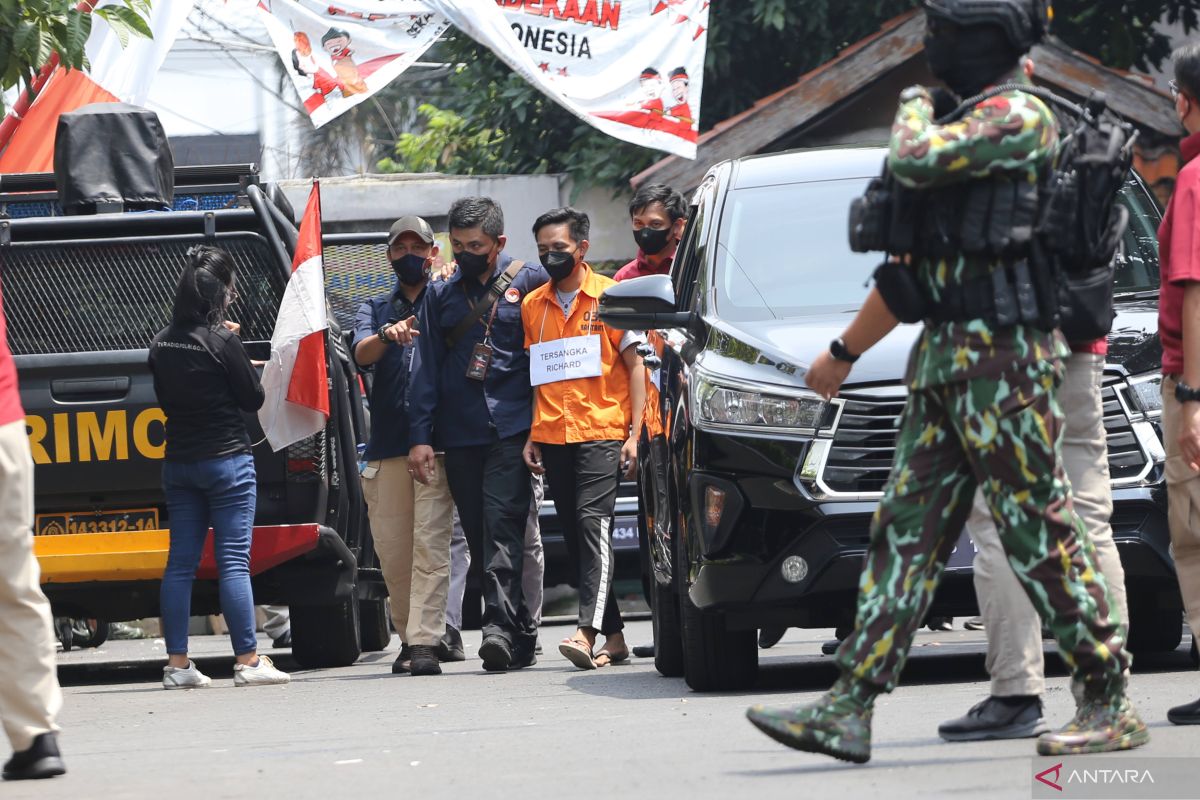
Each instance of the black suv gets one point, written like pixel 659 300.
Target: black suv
pixel 757 495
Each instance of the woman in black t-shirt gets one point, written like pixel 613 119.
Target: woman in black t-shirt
pixel 204 381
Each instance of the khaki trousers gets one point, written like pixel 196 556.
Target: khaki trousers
pixel 411 524
pixel 30 697
pixel 1183 510
pixel 1014 632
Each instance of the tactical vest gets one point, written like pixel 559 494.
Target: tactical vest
pixel 992 219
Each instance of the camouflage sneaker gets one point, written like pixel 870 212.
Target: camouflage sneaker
pixel 1099 726
pixel 838 725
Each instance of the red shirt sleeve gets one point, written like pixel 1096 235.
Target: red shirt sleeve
pixel 1184 263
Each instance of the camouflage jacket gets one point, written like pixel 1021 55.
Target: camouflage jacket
pixel 1014 134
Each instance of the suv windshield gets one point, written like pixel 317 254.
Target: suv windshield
pixel 783 252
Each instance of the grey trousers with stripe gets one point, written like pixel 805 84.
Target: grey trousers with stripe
pixel 582 481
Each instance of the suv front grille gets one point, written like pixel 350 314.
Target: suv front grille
pixel 864 442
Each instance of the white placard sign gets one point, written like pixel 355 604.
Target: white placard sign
pixel 565 360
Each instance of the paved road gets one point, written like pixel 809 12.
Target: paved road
pixel 546 732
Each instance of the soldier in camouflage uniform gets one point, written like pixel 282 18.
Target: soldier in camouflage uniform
pixel 981 412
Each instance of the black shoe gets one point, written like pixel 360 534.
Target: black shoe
pixel 425 660
pixel 940 623
pixel 451 646
pixel 403 663
pixel 643 650
pixel 537 648
pixel 830 647
pixel 1185 715
pixel 997 718
pixel 521 661
pixel 284 641
pixel 41 760
pixel 769 637
pixel 496 653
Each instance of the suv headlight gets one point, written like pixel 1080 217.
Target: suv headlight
pixel 724 404
pixel 1143 396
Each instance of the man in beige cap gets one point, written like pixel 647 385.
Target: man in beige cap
pixel 411 522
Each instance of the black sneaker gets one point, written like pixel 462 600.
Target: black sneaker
pixel 284 641
pixel 523 660
pixel 1185 715
pixel 41 760
pixel 997 718
pixel 425 660
pixel 403 663
pixel 450 648
pixel 496 653
pixel 769 637
pixel 831 647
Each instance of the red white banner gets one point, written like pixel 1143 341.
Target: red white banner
pixel 632 68
pixel 296 380
pixel 116 73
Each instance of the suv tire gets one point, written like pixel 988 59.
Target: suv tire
pixel 326 636
pixel 668 633
pixel 715 658
pixel 1152 630
pixel 374 625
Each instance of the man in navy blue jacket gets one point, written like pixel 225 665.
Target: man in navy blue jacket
pixel 469 394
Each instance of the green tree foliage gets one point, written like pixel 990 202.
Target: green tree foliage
pixel 32 30
pixel 755 47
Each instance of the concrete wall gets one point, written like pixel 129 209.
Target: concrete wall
pixel 373 202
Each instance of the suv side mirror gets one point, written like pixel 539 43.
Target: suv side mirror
pixel 642 304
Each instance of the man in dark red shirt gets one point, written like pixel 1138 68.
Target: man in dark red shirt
pixel 1179 330
pixel 658 214
pixel 29 694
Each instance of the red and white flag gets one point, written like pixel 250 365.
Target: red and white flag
pixel 116 73
pixel 295 380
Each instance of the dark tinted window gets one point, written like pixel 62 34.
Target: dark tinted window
pixel 1137 270
pixel 783 251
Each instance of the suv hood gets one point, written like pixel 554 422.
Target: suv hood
pixel 779 351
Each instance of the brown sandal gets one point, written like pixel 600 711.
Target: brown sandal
pixel 578 652
pixel 611 658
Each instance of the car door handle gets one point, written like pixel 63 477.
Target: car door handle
pixel 90 390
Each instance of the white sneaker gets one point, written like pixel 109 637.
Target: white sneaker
pixel 263 673
pixel 190 677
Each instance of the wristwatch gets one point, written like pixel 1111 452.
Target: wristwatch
pixel 382 334
pixel 1186 394
pixel 837 349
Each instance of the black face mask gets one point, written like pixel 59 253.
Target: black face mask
pixel 559 265
pixel 969 59
pixel 410 269
pixel 652 240
pixel 472 265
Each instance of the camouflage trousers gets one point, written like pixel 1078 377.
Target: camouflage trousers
pixel 1002 434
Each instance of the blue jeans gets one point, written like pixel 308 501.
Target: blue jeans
pixel 221 493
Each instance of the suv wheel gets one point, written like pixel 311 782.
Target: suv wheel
pixel 373 623
pixel 326 636
pixel 715 658
pixel 668 635
pixel 1152 630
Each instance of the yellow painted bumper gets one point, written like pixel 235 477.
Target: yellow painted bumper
pixel 79 557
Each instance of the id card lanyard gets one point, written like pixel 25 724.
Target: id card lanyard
pixel 481 355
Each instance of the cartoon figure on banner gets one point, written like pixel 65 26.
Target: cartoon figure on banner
pixel 652 89
pixel 303 60
pixel 321 81
pixel 336 42
pixel 651 111
pixel 679 91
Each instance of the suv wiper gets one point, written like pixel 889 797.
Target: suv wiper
pixel 1138 295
